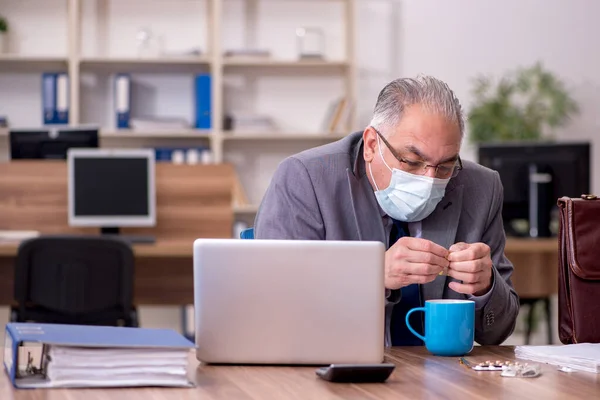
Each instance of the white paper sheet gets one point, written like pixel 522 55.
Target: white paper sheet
pixel 581 356
pixel 106 367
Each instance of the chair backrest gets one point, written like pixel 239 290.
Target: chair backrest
pixel 74 279
pixel 247 233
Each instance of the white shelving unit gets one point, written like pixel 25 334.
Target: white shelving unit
pixel 248 62
pixel 287 136
pixel 81 62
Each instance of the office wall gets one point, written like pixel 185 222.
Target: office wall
pixel 456 40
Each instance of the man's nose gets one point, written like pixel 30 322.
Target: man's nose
pixel 431 172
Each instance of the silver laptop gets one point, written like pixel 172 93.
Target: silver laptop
pixel 289 301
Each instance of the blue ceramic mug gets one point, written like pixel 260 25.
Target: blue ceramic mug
pixel 449 326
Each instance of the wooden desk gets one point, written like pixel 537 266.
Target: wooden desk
pixel 536 266
pixel 161 248
pixel 164 270
pixel 163 273
pixel 418 375
pixel 178 248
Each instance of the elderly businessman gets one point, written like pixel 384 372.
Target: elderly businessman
pixel 401 181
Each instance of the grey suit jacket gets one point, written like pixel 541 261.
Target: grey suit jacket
pixel 323 194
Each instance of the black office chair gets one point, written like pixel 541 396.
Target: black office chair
pixel 84 280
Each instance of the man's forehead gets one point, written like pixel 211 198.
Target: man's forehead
pixel 424 124
pixel 434 138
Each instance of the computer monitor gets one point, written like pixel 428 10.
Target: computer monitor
pixel 111 189
pixel 534 176
pixel 50 143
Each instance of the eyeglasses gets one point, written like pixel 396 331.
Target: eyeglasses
pixel 442 171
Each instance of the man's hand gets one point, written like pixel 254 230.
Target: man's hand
pixel 413 260
pixel 471 264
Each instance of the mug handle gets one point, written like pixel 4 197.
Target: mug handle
pixel 410 327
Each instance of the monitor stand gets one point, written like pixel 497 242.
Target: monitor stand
pixel 540 207
pixel 132 239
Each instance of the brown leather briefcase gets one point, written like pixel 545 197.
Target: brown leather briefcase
pixel 579 270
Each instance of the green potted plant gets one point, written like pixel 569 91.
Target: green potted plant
pixel 3 34
pixel 525 104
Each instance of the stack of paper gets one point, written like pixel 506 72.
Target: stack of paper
pixel 79 366
pixel 581 356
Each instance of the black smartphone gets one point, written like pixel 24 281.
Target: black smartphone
pixel 356 373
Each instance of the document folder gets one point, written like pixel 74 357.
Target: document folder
pixel 203 104
pixel 57 355
pixel 123 100
pixel 55 98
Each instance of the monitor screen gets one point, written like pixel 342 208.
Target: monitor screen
pixel 564 167
pixel 50 143
pixel 111 188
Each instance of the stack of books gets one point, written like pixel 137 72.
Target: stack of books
pixel 51 355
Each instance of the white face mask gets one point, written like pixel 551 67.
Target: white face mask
pixel 409 197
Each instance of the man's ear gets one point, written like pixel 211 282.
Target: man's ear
pixel 370 144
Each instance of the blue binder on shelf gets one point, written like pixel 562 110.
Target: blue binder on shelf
pixel 163 154
pixel 186 155
pixel 57 355
pixel 202 92
pixel 122 100
pixel 55 98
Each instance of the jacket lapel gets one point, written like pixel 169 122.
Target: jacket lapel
pixel 369 224
pixel 367 214
pixel 440 227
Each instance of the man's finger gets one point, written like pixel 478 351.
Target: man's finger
pixel 472 267
pixel 427 258
pixel 467 254
pixel 458 247
pixel 465 277
pixel 473 252
pixel 422 269
pixel 425 245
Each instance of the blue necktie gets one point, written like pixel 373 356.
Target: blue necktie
pixel 401 336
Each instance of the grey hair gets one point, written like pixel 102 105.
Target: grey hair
pixel 427 91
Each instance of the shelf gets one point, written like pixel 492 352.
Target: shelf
pixel 202 134
pixel 144 64
pixel 158 134
pixel 28 63
pixel 273 63
pixel 112 63
pixel 248 209
pixel 284 136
